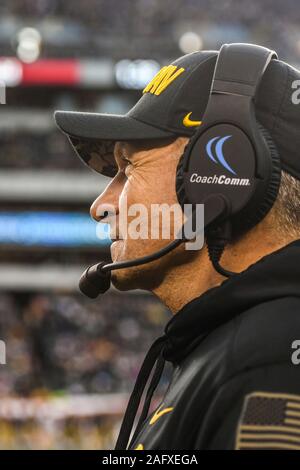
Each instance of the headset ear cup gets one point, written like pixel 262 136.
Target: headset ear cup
pixel 240 224
pixel 255 216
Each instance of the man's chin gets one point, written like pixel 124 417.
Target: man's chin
pixel 145 276
pixel 124 280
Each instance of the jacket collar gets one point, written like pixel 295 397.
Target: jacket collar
pixel 273 276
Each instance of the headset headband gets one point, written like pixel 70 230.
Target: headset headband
pixel 240 67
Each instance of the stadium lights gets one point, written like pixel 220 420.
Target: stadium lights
pixel 190 42
pixel 29 44
pixel 11 71
pixel 135 74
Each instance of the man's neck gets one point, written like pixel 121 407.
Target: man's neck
pixel 187 281
pixel 190 280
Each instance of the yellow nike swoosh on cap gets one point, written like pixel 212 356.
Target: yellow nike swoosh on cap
pixel 158 413
pixel 187 122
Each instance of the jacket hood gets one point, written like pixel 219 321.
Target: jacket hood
pixel 273 276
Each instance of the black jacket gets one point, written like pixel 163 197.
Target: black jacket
pixel 234 384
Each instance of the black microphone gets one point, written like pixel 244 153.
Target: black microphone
pixel 97 278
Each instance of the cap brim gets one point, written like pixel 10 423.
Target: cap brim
pixel 93 136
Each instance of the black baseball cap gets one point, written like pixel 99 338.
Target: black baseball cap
pixel 173 105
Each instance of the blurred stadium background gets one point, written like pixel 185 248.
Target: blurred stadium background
pixel 71 362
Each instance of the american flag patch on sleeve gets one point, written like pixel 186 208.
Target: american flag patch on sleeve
pixel 269 421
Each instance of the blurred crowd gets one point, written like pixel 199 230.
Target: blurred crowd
pixel 101 26
pixel 65 342
pixel 70 434
pixel 65 345
pixel 121 15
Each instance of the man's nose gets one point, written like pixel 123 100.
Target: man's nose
pixel 108 201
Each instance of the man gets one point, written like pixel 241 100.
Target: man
pixel 233 343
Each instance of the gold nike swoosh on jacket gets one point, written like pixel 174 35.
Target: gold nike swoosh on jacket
pixel 158 413
pixel 187 122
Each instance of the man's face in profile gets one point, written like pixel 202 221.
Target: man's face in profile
pixel 146 176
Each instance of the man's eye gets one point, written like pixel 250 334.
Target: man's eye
pixel 125 160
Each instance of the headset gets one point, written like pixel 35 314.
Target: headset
pixel 231 165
